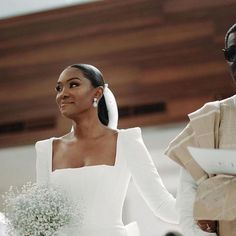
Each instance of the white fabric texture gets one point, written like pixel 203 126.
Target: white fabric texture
pixel 111 107
pixel 2 225
pixel 102 188
pixel 185 199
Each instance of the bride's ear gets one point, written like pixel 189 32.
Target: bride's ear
pixel 99 92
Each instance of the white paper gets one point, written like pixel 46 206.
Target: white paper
pixel 215 161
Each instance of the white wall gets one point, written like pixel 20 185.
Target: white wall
pixel 12 8
pixel 17 166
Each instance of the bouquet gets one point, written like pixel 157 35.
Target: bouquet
pixel 38 210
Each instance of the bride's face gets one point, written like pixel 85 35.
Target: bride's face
pixel 75 93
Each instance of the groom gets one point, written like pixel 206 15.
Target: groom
pixel 212 126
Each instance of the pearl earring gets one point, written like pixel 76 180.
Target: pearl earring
pixel 95 102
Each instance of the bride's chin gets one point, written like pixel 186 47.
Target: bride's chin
pixel 67 114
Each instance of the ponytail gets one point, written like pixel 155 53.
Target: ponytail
pixel 102 111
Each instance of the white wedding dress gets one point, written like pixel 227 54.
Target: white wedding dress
pixel 101 189
pixel 3 226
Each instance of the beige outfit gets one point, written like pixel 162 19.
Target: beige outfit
pixel 212 126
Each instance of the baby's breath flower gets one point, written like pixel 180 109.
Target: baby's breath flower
pixel 39 210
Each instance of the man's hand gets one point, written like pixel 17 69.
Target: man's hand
pixel 207 225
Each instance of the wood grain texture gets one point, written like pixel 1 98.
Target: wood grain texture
pixel 150 52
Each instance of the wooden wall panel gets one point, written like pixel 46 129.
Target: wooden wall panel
pixel 162 59
pixel 182 6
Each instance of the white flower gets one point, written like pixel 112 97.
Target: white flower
pixel 39 210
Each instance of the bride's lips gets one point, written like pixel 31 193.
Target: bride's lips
pixel 64 104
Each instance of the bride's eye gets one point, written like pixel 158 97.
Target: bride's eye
pixel 58 88
pixel 74 84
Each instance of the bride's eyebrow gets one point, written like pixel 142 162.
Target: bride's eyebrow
pixel 77 78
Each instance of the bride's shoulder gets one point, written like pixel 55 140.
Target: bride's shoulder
pixel 43 142
pixel 48 141
pixel 134 132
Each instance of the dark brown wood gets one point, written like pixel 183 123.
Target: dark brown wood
pixel 155 52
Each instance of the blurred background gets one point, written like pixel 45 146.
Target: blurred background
pixel 161 58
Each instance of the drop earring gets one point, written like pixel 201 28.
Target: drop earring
pixel 95 102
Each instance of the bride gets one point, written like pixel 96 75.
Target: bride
pixel 95 161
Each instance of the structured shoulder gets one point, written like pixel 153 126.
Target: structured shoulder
pixel 214 106
pixel 207 108
pixel 229 101
pixel 42 143
pixel 131 132
pixel 43 167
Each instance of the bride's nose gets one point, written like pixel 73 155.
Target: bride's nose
pixel 64 93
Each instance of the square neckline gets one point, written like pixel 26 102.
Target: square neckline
pixel 83 167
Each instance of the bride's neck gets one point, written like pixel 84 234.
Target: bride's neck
pixel 88 127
